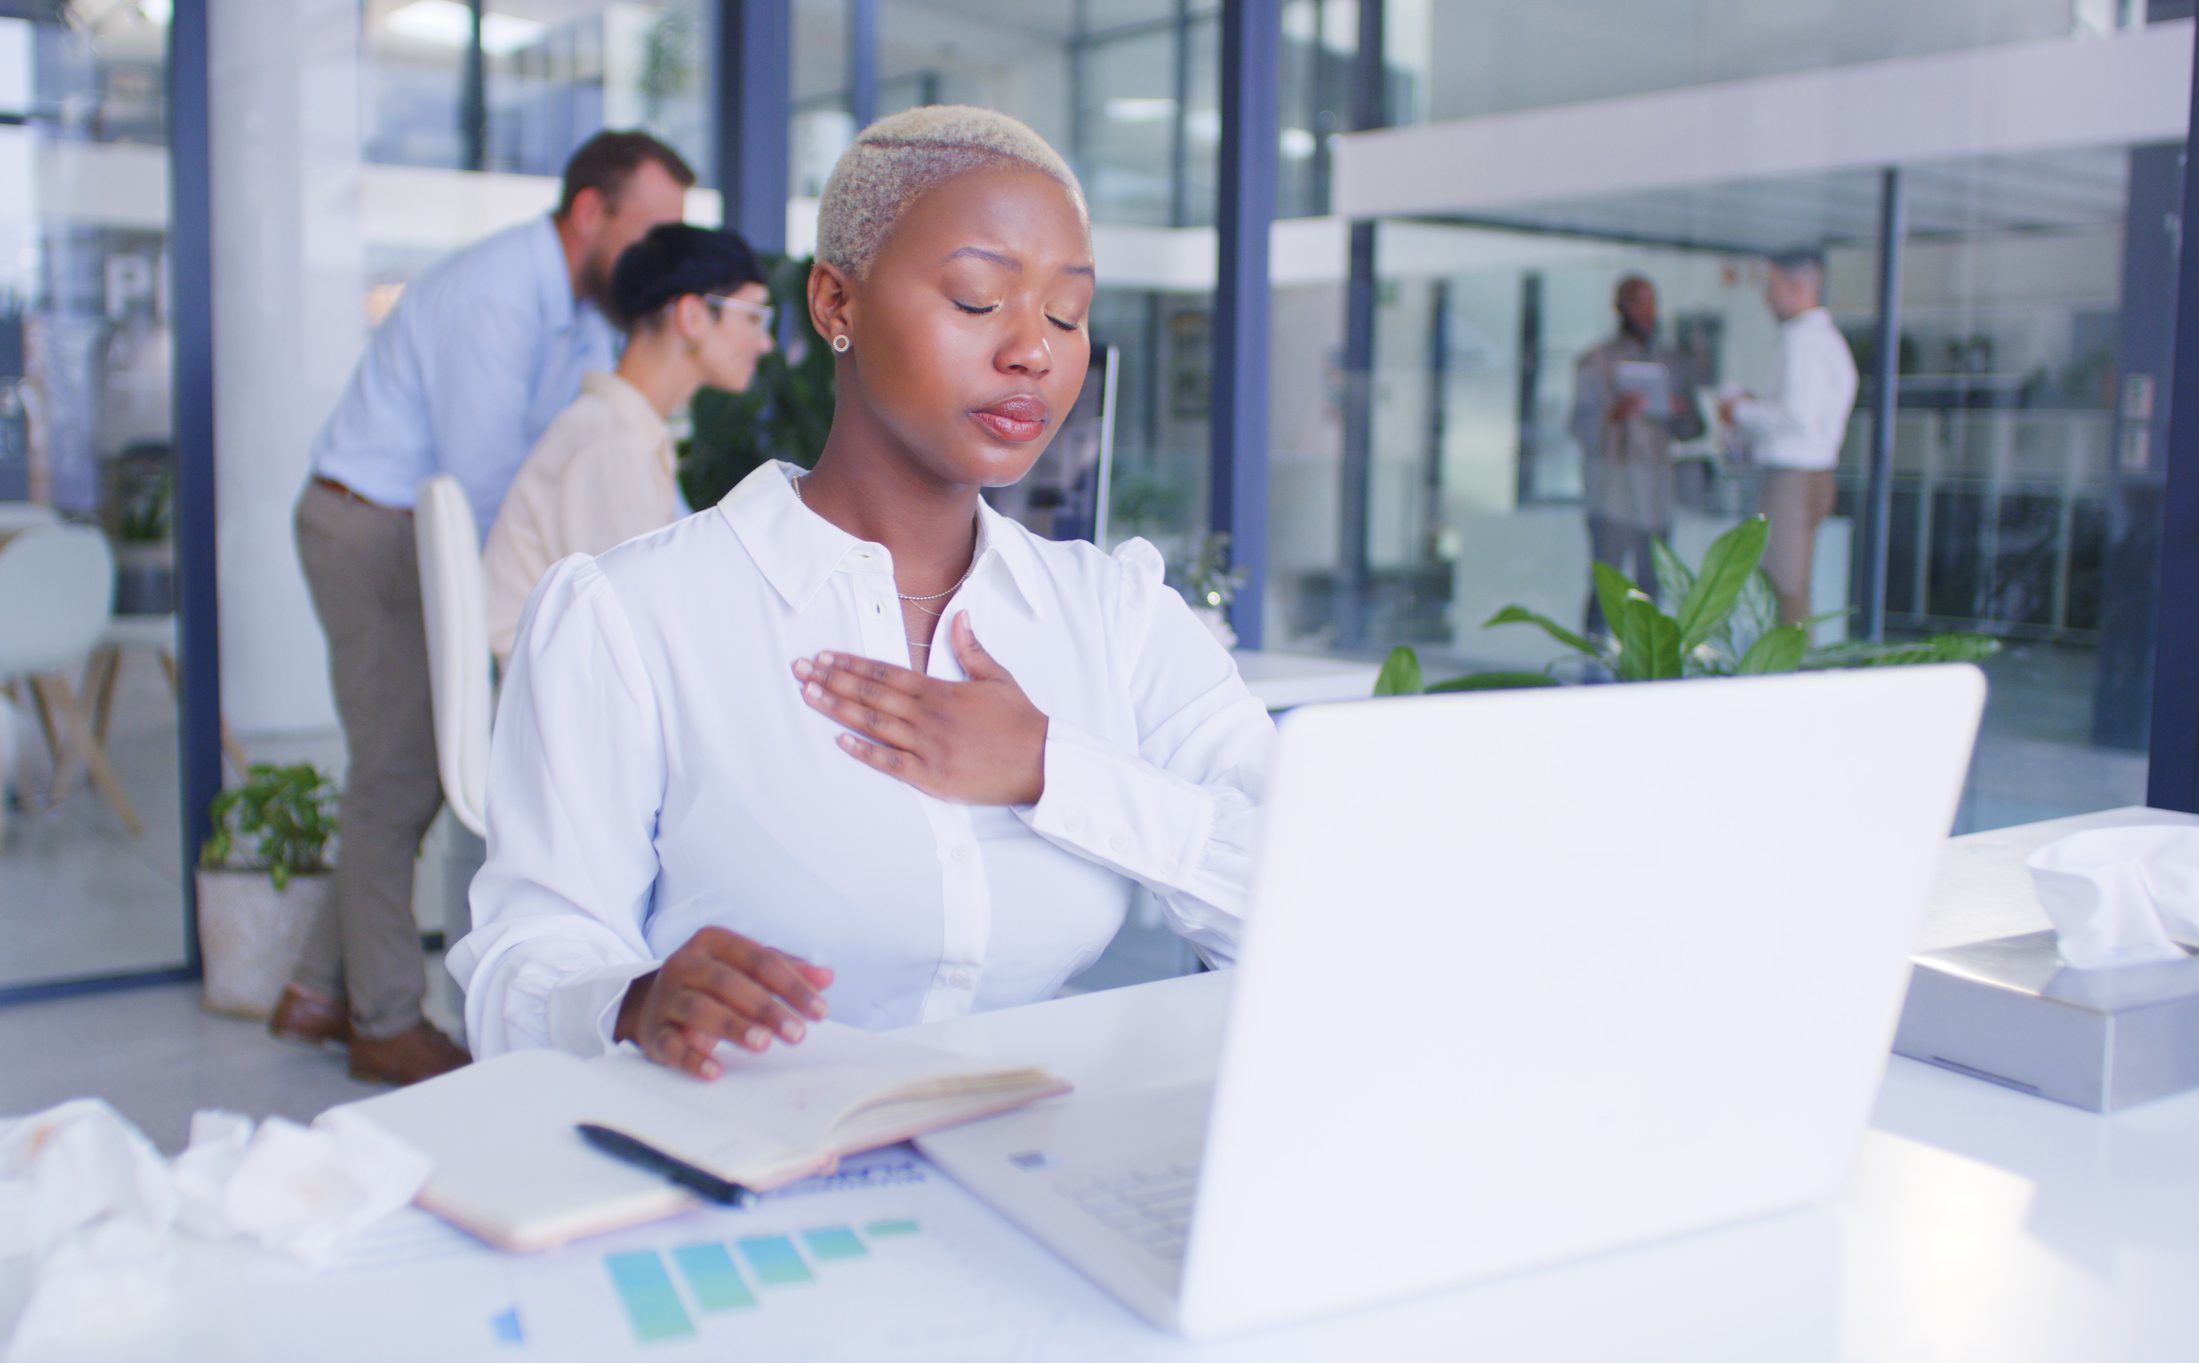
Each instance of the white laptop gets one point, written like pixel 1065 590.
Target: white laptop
pixel 1526 976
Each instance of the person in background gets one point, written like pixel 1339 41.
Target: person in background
pixel 1794 431
pixel 461 378
pixel 695 311
pixel 1626 442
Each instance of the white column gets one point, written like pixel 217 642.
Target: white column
pixel 289 323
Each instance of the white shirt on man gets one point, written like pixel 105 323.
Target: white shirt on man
pixel 1801 422
pixel 655 771
pixel 600 475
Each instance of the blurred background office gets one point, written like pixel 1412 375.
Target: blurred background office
pixel 1456 189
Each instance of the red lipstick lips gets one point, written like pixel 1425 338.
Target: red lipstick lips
pixel 1017 418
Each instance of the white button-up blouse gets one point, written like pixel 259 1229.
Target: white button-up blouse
pixel 654 771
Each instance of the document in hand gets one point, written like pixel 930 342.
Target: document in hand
pixel 510 1168
pixel 1648 380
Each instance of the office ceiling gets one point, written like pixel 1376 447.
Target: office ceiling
pixel 2050 191
pixel 1489 58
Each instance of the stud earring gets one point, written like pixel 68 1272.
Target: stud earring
pixel 840 344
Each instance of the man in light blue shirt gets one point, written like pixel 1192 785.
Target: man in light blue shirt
pixel 480 353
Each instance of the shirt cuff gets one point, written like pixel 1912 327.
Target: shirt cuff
pixel 583 1007
pixel 1120 810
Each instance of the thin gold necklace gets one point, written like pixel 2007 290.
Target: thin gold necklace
pixel 916 601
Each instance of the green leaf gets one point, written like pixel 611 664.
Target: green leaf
pixel 1731 558
pixel 1674 578
pixel 1649 643
pixel 1779 650
pixel 1494 681
pixel 1400 674
pixel 280 820
pixel 1613 590
pixel 1939 648
pixel 1520 615
pixel 1754 615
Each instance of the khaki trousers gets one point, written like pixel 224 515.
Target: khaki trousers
pixel 365 581
pixel 1796 502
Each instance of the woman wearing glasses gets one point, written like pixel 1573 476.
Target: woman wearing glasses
pixel 691 301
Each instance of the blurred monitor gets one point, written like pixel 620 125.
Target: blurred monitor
pixel 1064 496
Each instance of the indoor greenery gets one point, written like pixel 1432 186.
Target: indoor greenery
pixel 1210 583
pixel 279 821
pixel 786 412
pixel 147 514
pixel 1721 621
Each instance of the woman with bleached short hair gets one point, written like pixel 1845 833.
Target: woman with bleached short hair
pixel 852 741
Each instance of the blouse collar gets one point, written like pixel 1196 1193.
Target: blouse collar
pixel 798 550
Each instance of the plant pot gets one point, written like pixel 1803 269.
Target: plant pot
pixel 145 578
pixel 250 937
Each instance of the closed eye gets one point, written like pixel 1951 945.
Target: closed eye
pixel 974 311
pixel 1066 326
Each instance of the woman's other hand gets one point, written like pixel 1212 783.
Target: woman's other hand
pixel 720 986
pixel 979 742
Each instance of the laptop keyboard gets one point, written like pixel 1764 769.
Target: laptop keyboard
pixel 1149 1207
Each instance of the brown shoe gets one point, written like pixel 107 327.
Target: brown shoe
pixel 305 1018
pixel 420 1052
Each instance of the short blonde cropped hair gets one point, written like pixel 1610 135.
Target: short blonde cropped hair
pixel 900 158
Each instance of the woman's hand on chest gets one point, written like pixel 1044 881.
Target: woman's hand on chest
pixel 979 742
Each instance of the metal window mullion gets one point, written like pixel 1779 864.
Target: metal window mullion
pixel 1878 505
pixel 755 52
pixel 1252 36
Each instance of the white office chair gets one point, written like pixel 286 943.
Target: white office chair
pixel 154 634
pixel 57 587
pixel 15 516
pixel 459 662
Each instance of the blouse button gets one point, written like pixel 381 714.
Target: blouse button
pixel 1121 843
pixel 962 853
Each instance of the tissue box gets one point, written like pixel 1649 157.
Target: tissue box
pixel 2010 1011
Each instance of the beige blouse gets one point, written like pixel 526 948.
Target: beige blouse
pixel 601 474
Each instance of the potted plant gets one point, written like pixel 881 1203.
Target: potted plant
pixel 142 519
pixel 263 874
pixel 1720 622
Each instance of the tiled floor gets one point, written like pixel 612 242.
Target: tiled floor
pixel 157 1058
pixel 78 894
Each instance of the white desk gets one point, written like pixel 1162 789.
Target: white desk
pixel 1978 1223
pixel 1282 680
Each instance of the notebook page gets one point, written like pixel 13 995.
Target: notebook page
pixel 776 1112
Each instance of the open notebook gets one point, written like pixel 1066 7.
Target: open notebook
pixel 510 1168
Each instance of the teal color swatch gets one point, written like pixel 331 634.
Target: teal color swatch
pixel 834 1242
pixel 712 1278
pixel 645 1288
pixel 879 1230
pixel 775 1260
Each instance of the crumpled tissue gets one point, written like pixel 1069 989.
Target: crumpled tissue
pixel 2120 896
pixel 98 1212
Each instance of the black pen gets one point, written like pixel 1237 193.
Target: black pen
pixel 620 1146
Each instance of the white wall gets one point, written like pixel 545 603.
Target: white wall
pixel 289 321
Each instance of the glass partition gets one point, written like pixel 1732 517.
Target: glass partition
pixel 2036 268
pixel 90 878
